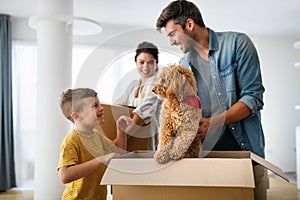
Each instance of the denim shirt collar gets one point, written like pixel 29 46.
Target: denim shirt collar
pixel 213 41
pixel 213 45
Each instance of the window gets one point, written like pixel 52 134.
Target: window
pixel 122 68
pixel 24 95
pixel 117 76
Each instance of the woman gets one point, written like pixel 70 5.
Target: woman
pixel 146 60
pixel 139 94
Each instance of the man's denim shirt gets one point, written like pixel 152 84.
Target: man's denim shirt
pixel 236 76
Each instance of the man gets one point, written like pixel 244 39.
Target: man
pixel 227 70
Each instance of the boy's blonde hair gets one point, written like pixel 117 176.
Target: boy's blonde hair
pixel 71 100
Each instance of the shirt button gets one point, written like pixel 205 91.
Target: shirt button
pixel 232 128
pixel 219 93
pixel 214 77
pixel 242 144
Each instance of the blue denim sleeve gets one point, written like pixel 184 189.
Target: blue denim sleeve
pixel 248 74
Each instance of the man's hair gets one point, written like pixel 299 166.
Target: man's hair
pixel 71 100
pixel 179 11
pixel 146 47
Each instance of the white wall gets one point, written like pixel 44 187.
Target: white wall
pixel 281 80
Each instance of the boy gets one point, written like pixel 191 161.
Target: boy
pixel 85 152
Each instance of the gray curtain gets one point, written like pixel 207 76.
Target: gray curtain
pixel 7 166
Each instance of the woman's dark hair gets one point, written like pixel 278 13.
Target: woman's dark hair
pixel 147 47
pixel 179 11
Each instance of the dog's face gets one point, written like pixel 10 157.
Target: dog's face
pixel 163 83
pixel 175 81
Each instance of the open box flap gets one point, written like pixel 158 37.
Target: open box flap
pixel 205 172
pixel 222 154
pixel 246 154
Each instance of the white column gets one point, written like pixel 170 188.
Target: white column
pixel 54 46
pixel 298 155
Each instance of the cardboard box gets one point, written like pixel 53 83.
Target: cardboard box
pixel 111 115
pixel 220 175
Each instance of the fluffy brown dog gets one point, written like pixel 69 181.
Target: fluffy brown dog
pixel 180 114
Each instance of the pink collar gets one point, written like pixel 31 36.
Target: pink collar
pixel 193 101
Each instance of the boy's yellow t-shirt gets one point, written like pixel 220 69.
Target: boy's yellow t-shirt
pixel 76 149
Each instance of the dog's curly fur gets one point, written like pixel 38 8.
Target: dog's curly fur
pixel 179 121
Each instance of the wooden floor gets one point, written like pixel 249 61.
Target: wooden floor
pixel 17 195
pixel 279 190
pixel 282 190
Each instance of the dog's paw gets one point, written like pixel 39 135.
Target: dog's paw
pixel 161 157
pixel 175 155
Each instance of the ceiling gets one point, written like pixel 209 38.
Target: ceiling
pixel 255 17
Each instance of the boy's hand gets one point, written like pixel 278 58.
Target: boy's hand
pixel 105 159
pixel 124 122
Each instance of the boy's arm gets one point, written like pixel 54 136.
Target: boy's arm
pixel 127 127
pixel 130 125
pixel 71 173
pixel 110 146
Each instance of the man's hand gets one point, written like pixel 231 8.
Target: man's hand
pixel 203 129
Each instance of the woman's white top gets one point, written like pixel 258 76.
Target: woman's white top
pixel 132 97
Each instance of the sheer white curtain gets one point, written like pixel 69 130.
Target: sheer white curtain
pixel 24 93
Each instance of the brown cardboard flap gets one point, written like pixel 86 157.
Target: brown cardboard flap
pixel 246 154
pixel 206 172
pixel 139 154
pixel 221 154
pixel 269 166
pixel 181 193
pixel 111 115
